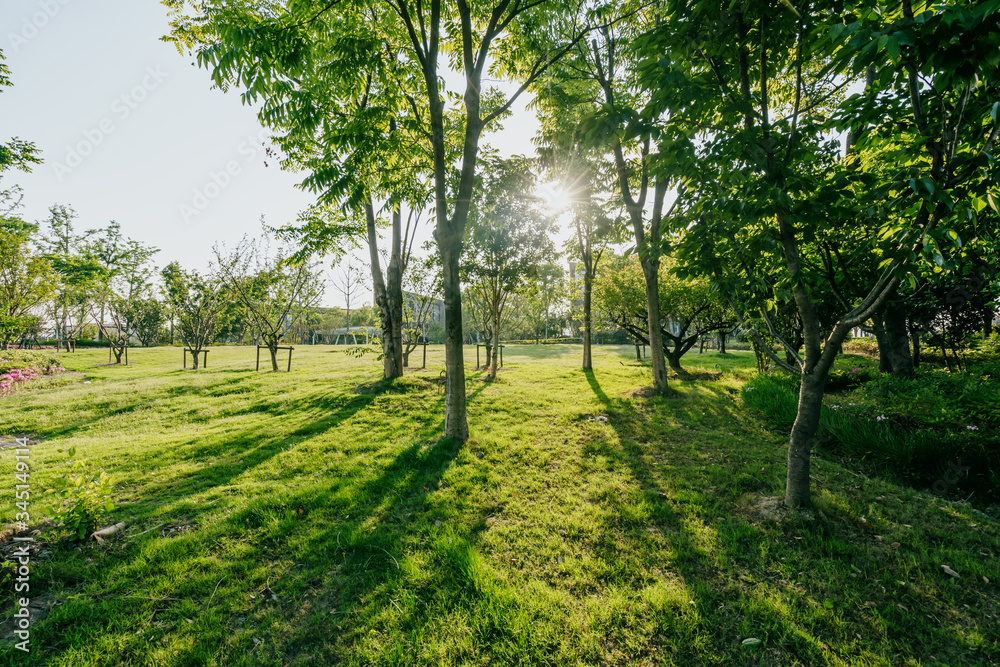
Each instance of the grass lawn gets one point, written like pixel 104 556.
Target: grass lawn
pixel 316 518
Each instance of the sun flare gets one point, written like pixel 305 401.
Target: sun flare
pixel 554 196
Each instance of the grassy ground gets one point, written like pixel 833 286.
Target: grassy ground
pixel 315 518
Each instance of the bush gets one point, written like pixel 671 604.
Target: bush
pixel 18 367
pixel 918 430
pixel 86 500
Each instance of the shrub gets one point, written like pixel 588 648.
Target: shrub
pixel 916 430
pixel 18 367
pixel 86 499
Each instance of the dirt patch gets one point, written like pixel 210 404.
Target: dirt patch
pixel 650 392
pixel 710 376
pixel 10 441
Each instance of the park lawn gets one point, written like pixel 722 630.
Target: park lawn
pixel 316 518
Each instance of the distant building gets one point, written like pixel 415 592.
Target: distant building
pixel 412 301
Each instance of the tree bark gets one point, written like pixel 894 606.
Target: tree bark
pixel 651 270
pixel 388 294
pixel 915 339
pixel 884 356
pixel 674 361
pixel 455 421
pixel 897 341
pixel 587 289
pixel 801 438
pixel 722 342
pixel 273 349
pixel 492 356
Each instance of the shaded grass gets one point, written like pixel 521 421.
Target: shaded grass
pixel 316 517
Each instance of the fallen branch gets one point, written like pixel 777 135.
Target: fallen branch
pixel 146 531
pixel 105 532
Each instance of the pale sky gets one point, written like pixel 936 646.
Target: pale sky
pixel 130 131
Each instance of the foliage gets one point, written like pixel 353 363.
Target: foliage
pixel 86 499
pixel 197 302
pixel 689 307
pixel 912 430
pixel 18 367
pixel 276 292
pixel 26 281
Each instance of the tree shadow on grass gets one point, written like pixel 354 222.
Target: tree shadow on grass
pixel 687 520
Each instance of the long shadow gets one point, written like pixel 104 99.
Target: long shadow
pixel 707 571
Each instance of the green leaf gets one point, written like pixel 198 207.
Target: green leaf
pixel 893 47
pixel 72 451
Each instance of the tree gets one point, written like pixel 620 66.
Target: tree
pixel 400 43
pixel 601 76
pixel 548 288
pixel 746 85
pixel 423 282
pixel 146 316
pixel 349 283
pixel 689 307
pixel 275 292
pixel 26 280
pixel 120 330
pixel 507 237
pixel 79 273
pixel 197 302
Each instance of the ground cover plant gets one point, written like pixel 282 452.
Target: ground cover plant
pixel 20 367
pixel 316 517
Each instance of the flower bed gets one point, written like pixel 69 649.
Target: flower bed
pixel 19 367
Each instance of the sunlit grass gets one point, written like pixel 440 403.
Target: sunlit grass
pixel 316 517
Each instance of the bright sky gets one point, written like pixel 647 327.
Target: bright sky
pixel 131 131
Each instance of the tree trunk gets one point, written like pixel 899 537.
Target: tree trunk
pixel 915 339
pixel 492 356
pixel 801 439
pixel 587 287
pixel 273 349
pixel 456 423
pixel 197 357
pixel 651 271
pixel 884 358
pixel 674 360
pixel 897 341
pixel 722 342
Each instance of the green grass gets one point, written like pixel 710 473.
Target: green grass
pixel 317 518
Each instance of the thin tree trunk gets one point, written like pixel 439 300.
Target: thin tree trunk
pixel 273 349
pixel 658 360
pixel 492 356
pixel 455 421
pixel 801 438
pixel 915 340
pixel 587 288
